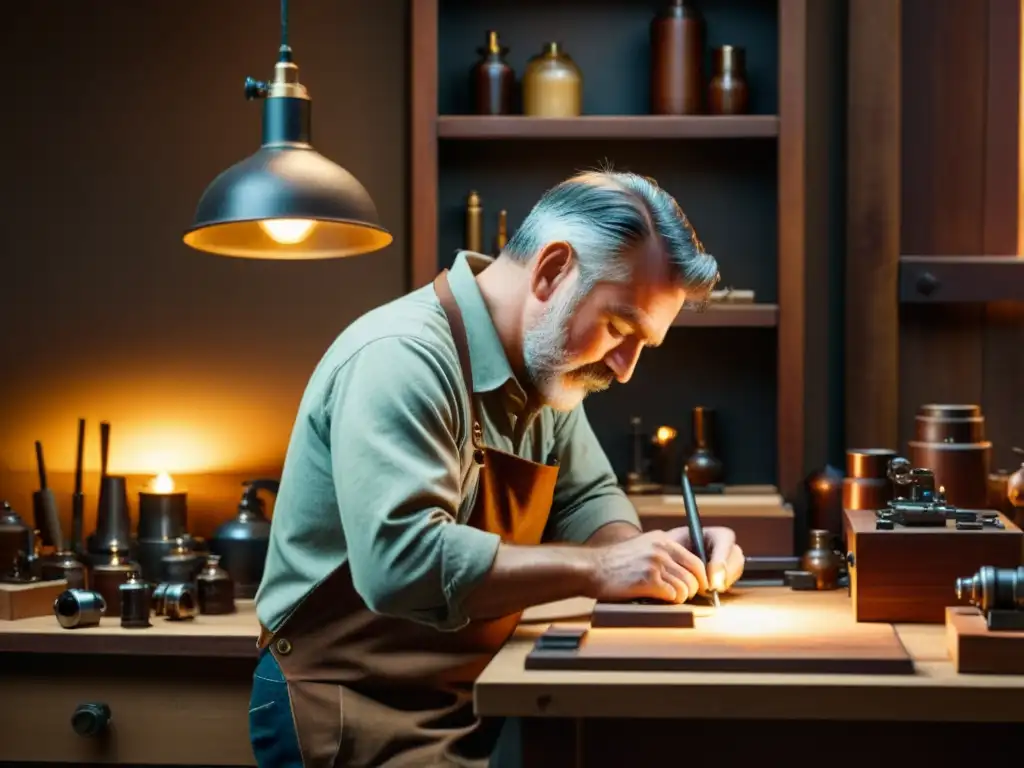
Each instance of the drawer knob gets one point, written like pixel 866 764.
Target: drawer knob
pixel 90 719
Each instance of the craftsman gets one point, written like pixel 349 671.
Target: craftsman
pixel 439 443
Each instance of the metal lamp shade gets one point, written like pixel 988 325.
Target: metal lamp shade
pixel 286 182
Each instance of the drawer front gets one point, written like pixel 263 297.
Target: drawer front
pixel 163 711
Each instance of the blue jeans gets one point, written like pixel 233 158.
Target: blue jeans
pixel 275 743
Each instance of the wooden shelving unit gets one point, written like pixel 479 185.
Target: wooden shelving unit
pixel 607 127
pixel 731 316
pixel 741 181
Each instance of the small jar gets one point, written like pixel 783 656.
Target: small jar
pixel 215 589
pixel 552 84
pixel 822 560
pixel 728 93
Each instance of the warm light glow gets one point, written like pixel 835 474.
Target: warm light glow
pixel 177 416
pixel 718 581
pixel 738 619
pixel 287 231
pixel 162 483
pixel 664 434
pixel 942 489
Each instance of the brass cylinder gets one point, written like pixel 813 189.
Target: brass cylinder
pixel 474 224
pixel 867 484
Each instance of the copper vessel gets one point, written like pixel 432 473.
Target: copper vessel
pixel 703 467
pixel 677 55
pixel 867 484
pixel 950 441
pixel 728 93
pixel 823 560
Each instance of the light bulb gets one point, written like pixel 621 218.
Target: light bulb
pixel 287 231
pixel 162 483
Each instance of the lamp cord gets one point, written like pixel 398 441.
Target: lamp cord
pixel 285 51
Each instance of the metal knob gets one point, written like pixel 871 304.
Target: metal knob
pixel 927 284
pixel 90 719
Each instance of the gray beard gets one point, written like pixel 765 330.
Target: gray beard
pixel 547 363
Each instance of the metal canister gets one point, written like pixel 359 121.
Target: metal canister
pixel 182 564
pixel 63 565
pixel 108 577
pixel 135 603
pixel 179 602
pixel 79 608
pixel 216 590
pixel 158 598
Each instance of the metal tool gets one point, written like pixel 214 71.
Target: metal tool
pixel 78 498
pixel 926 505
pixel 697 533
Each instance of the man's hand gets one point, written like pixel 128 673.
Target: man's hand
pixel 725 558
pixel 652 565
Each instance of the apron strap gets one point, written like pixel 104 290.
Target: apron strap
pixel 458 327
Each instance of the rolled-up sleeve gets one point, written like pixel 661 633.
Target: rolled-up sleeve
pixel 395 458
pixel 587 495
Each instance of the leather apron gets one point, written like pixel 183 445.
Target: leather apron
pixel 372 690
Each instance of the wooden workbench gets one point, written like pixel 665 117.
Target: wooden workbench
pixel 179 694
pixel 178 691
pixel 622 718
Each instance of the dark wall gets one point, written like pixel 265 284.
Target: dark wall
pixel 118 115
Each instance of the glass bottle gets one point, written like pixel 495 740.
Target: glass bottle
pixel 552 84
pixel 492 79
pixel 677 56
pixel 728 93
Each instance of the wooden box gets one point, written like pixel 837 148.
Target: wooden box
pixel 909 574
pixel 975 650
pixel 26 601
pixel 763 522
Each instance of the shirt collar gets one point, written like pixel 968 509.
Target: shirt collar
pixel 487 358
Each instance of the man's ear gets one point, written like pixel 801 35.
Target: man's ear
pixel 552 266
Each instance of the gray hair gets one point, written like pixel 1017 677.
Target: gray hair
pixel 602 214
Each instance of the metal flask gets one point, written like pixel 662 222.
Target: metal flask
pixel 242 542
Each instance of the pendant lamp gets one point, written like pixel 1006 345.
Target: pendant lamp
pixel 287 201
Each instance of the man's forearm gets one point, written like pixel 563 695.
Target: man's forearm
pixel 613 533
pixel 525 576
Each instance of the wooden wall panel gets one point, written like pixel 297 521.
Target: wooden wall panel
pixel 961 196
pixel 944 97
pixel 1003 339
pixel 873 210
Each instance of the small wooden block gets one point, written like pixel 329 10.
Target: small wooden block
pixel 561 639
pixel 27 601
pixel 977 650
pixel 633 615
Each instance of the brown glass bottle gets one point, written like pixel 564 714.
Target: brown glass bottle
pixel 552 84
pixel 492 79
pixel 677 55
pixel 703 467
pixel 728 93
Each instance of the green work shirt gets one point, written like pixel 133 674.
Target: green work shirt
pixel 379 472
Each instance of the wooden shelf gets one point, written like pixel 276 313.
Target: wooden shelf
pixel 731 316
pixel 607 127
pixel 949 279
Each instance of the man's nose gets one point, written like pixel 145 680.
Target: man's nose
pixel 622 359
